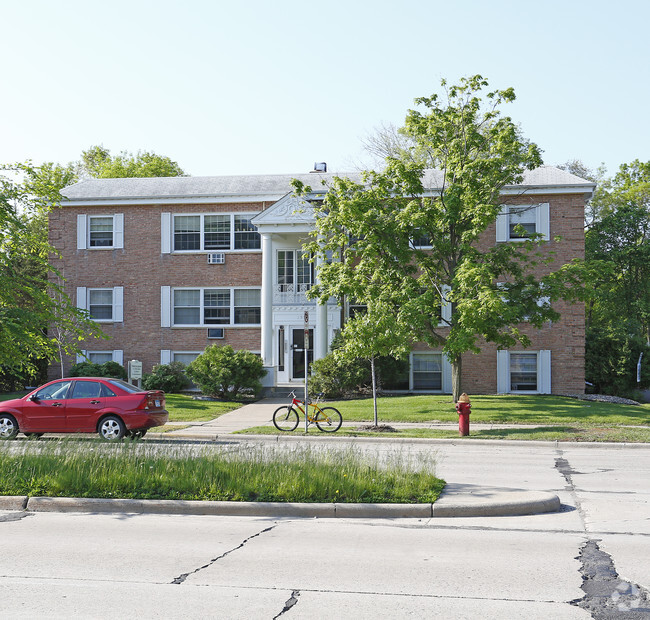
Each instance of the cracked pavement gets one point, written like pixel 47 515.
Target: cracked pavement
pixel 588 561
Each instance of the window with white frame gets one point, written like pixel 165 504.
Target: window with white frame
pixel 99 357
pixel 524 372
pixel 520 222
pixel 295 272
pixel 184 357
pixel 421 240
pixel 214 231
pixel 215 306
pixel 100 231
pixel 426 371
pixel 103 304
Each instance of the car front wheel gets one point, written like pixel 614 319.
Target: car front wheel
pixel 111 428
pixel 8 426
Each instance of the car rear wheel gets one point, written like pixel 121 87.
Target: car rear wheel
pixel 8 426
pixel 111 428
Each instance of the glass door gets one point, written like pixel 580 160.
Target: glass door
pixel 298 352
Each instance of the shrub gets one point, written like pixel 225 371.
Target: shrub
pixel 107 369
pixel 169 378
pixel 339 378
pixel 222 372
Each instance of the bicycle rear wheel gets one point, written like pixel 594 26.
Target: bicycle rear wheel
pixel 328 420
pixel 285 418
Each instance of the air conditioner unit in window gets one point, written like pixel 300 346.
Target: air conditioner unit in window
pixel 216 332
pixel 216 258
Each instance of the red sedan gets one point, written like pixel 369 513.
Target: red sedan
pixel 110 407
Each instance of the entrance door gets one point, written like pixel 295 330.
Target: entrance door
pixel 298 352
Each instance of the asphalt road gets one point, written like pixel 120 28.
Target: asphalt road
pixel 592 559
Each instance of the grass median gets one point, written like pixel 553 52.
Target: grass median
pixel 74 468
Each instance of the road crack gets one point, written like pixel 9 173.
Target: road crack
pixel 181 578
pixel 291 601
pixel 606 594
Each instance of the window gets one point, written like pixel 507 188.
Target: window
pixel 184 357
pixel 421 240
pixel 55 391
pixel 214 306
pixel 103 304
pixel 99 357
pixel 209 232
pixel 295 271
pixel 246 235
pixel 426 369
pixel 100 304
pixel 524 372
pixel 100 231
pixel 519 222
pixel 87 389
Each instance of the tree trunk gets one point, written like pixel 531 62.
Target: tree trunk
pixel 374 389
pixel 456 369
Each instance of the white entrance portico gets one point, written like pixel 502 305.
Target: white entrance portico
pixel 287 275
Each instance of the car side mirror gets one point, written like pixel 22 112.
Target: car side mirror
pixel 34 398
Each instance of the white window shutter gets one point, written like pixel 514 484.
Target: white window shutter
pixel 544 372
pixel 118 356
pixel 118 304
pixel 118 230
pixel 446 375
pixel 446 305
pixel 82 302
pixel 82 356
pixel 165 356
pixel 165 306
pixel 82 234
pixel 503 372
pixel 543 221
pixel 502 224
pixel 165 233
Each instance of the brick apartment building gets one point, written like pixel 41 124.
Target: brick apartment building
pixel 168 266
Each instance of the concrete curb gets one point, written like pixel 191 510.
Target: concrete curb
pixel 230 437
pixel 449 505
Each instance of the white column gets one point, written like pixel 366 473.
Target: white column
pixel 267 300
pixel 320 349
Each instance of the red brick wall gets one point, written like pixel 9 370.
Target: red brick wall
pixel 141 269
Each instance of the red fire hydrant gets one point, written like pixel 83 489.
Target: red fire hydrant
pixel 463 407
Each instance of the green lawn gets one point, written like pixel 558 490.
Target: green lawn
pixel 182 408
pixel 497 410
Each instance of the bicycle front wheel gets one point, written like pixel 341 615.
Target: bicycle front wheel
pixel 285 418
pixel 328 420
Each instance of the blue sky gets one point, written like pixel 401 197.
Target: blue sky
pixel 262 87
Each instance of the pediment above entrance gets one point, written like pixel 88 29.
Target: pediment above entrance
pixel 288 214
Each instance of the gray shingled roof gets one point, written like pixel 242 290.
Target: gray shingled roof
pixel 262 185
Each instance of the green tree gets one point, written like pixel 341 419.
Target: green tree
pixel 372 226
pixel 28 301
pixel 98 162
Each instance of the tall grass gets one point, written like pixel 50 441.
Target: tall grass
pixel 73 468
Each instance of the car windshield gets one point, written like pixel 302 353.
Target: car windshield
pixel 127 387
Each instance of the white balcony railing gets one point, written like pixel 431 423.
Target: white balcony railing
pixel 291 294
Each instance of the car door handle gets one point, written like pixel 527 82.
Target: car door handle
pixel 57 405
pixel 94 402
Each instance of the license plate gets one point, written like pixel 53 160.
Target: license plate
pixel 157 403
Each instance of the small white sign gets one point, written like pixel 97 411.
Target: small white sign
pixel 135 369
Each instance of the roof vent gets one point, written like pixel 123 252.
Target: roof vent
pixel 320 166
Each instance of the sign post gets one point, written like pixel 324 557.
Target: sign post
pixel 306 349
